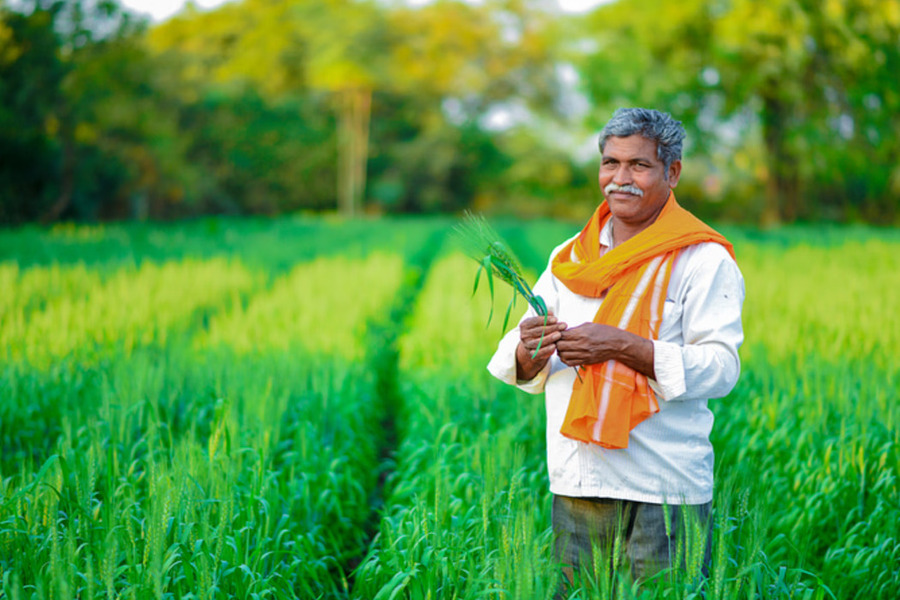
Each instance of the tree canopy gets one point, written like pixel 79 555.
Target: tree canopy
pixel 271 106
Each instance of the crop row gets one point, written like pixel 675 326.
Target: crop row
pixel 187 429
pixel 255 422
pixel 807 448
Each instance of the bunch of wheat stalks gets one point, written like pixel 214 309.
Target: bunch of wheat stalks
pixel 494 257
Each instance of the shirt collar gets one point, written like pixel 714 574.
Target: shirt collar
pixel 606 235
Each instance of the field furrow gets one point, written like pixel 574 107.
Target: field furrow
pixel 242 460
pixel 466 513
pixel 301 408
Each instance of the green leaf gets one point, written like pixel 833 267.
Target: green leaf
pixel 508 311
pixel 477 277
pixel 486 262
pixel 540 341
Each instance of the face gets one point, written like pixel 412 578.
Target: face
pixel 632 161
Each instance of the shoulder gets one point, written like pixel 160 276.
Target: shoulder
pixel 707 254
pixel 562 245
pixel 708 264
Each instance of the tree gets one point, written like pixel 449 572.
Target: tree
pixel 86 29
pixel 452 65
pixel 791 74
pixel 288 48
pixel 356 50
pixel 76 74
pixel 31 73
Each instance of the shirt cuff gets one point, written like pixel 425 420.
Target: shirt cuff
pixel 668 364
pixel 503 367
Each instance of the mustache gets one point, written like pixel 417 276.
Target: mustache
pixel 628 189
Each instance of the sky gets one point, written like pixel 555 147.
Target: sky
pixel 160 10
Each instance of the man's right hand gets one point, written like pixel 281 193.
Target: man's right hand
pixel 536 332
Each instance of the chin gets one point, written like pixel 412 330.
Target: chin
pixel 617 206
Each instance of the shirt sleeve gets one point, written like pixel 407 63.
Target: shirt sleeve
pixel 706 363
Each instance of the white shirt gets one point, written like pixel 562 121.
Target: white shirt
pixel 669 458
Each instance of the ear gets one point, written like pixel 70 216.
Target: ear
pixel 674 173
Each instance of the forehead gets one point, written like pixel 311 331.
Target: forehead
pixel 631 147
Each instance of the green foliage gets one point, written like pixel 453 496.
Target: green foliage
pixel 268 107
pixel 421 163
pixel 30 75
pixel 494 257
pixel 151 450
pixel 302 300
pixel 299 407
pixel 254 156
pixel 785 102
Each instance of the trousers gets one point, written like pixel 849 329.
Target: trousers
pixel 646 537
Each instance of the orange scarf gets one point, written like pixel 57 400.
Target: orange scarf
pixel 610 399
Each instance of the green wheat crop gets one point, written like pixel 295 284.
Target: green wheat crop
pixel 300 408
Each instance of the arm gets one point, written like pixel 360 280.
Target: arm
pixel 705 362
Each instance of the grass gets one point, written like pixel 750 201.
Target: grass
pixel 300 408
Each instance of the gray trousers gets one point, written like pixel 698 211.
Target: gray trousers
pixel 646 537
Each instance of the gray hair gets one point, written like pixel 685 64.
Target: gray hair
pixel 651 124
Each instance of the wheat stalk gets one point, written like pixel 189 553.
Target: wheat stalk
pixel 495 258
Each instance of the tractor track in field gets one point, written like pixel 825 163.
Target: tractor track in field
pixel 383 357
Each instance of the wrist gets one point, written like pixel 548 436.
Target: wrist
pixel 637 352
pixel 526 367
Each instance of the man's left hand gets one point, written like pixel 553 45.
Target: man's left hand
pixel 588 344
pixel 594 343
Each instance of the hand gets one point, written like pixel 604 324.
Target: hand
pixel 594 343
pixel 589 344
pixel 537 343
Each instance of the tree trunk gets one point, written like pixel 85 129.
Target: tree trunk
pixel 782 178
pixel 354 110
pixel 771 126
pixel 67 183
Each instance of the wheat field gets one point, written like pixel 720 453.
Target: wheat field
pixel 299 408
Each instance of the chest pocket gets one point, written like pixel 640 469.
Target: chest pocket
pixel 671 317
pixel 671 309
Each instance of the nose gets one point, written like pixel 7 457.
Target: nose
pixel 622 176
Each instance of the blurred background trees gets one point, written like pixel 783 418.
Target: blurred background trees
pixel 270 106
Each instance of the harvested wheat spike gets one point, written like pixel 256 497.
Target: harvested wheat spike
pixel 494 257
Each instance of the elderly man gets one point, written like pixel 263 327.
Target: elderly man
pixel 645 304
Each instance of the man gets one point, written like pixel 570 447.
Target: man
pixel 645 304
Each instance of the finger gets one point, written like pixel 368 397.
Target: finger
pixel 549 319
pixel 545 337
pixel 548 350
pixel 534 345
pixel 542 356
pixel 539 329
pixel 567 343
pixel 541 350
pixel 569 355
pixel 571 335
pixel 570 362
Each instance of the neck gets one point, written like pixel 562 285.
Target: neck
pixel 622 232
